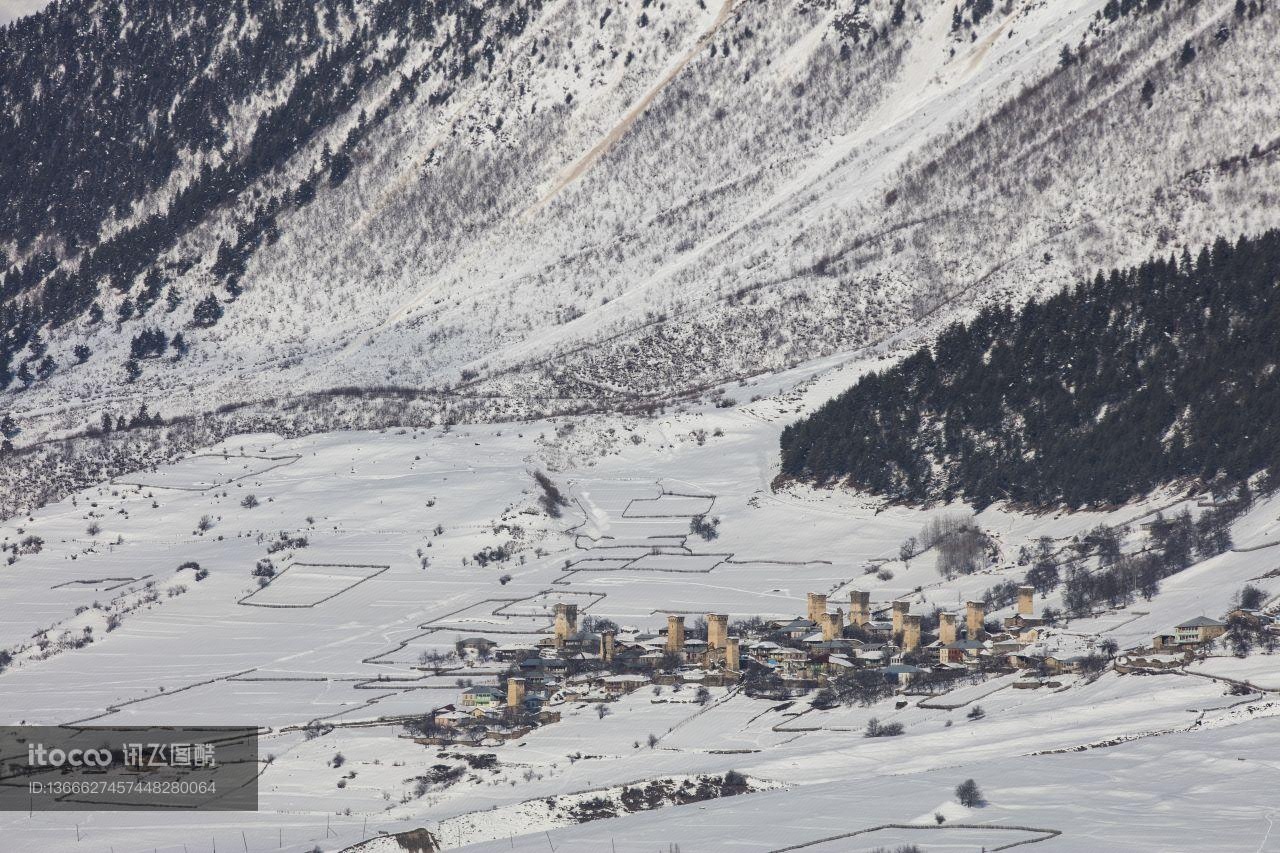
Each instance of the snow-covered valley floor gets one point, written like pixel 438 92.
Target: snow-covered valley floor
pixel 1120 762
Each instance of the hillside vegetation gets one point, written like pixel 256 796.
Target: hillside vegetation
pixel 1095 395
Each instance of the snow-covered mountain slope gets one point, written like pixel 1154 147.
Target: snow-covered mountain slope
pixel 555 200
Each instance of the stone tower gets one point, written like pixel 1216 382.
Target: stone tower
pixel 859 607
pixel 910 633
pixel 717 630
pixel 515 693
pixel 675 633
pixel 733 654
pixel 566 622
pixel 901 608
pixel 832 624
pixel 607 642
pixel 975 613
pixel 947 628
pixel 1026 599
pixel 817 607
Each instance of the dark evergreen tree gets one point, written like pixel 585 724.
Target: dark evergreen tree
pixel 47 367
pixel 149 343
pixel 207 311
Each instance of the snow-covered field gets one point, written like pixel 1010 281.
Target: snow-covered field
pixel 392 521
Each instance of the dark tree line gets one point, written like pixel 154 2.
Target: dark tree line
pixel 1096 395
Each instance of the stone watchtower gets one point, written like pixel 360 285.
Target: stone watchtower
pixel 947 628
pixel 733 655
pixel 832 625
pixel 910 633
pixel 859 607
pixel 608 642
pixel 901 608
pixel 1026 600
pixel 717 630
pixel 975 614
pixel 675 633
pixel 515 693
pixel 817 607
pixel 566 622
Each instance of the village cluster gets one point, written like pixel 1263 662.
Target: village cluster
pixel 905 651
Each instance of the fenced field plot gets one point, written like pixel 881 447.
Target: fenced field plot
pixel 669 506
pixel 310 584
pixel 200 472
pixel 99 584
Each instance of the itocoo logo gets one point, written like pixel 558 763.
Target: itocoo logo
pixel 39 756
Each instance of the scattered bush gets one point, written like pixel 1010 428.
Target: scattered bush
pixel 875 728
pixel 707 528
pixel 968 794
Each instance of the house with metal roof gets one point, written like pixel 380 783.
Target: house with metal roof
pixel 483 696
pixel 1193 632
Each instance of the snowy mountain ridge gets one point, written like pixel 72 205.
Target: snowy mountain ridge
pixel 659 197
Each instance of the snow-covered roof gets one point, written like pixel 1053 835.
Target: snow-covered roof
pixel 1202 622
pixel 483 690
pixel 902 669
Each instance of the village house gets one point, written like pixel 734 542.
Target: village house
pixel 902 673
pixel 1028 658
pixel 1193 632
pixel 961 652
pixel 482 696
pixel 475 647
pixel 617 685
pixel 544 667
pixel 447 716
pixel 1059 664
pixel 1199 630
pixel 798 629
pixel 874 654
pixel 1255 619
pixel 513 652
